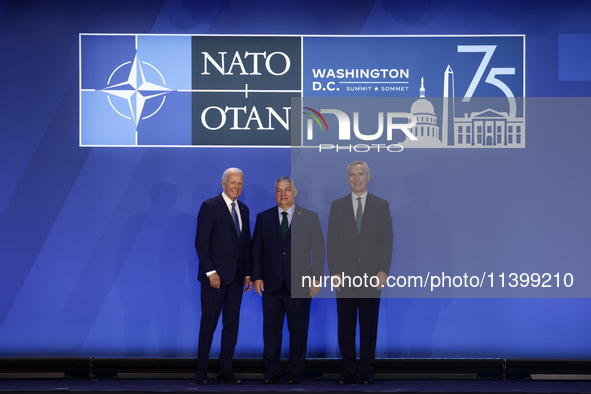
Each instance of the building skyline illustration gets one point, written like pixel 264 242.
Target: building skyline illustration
pixel 487 128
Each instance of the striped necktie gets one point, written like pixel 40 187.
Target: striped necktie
pixel 235 217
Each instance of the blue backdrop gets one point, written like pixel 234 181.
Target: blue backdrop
pixel 96 244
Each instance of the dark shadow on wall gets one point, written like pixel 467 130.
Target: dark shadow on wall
pixel 422 243
pixel 155 272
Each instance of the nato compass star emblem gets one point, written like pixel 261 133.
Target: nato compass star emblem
pixel 135 91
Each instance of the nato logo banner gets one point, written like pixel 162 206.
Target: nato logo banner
pixel 424 91
pixel 153 90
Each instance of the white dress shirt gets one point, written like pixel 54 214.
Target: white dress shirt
pixel 289 214
pixel 229 204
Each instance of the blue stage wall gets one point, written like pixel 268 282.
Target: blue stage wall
pixel 96 243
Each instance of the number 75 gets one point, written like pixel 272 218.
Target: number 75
pixel 488 51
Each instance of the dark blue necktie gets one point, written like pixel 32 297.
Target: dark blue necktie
pixel 284 225
pixel 235 217
pixel 359 215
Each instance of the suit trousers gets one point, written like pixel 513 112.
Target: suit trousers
pixel 213 301
pixel 275 307
pixel 368 331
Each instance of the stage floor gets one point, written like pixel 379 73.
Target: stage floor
pixel 323 386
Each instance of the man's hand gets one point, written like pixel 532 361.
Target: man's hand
pixel 247 284
pixel 214 280
pixel 315 288
pixel 382 276
pixel 339 281
pixel 259 286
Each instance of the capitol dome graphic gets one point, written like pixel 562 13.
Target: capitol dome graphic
pixel 426 129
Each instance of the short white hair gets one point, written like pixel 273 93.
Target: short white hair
pixel 231 170
pixel 358 163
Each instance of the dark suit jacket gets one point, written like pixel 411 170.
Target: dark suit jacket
pixel 302 252
pixel 218 246
pixel 370 251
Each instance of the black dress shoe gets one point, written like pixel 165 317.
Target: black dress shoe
pixel 228 377
pixel 293 379
pixel 348 378
pixel 201 378
pixel 366 378
pixel 271 378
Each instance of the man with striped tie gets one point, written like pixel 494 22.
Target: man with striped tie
pixel 224 249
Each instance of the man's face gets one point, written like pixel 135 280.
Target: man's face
pixel 284 195
pixel 358 179
pixel 233 185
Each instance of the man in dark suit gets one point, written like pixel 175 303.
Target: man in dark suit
pixel 224 249
pixel 278 271
pixel 359 244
